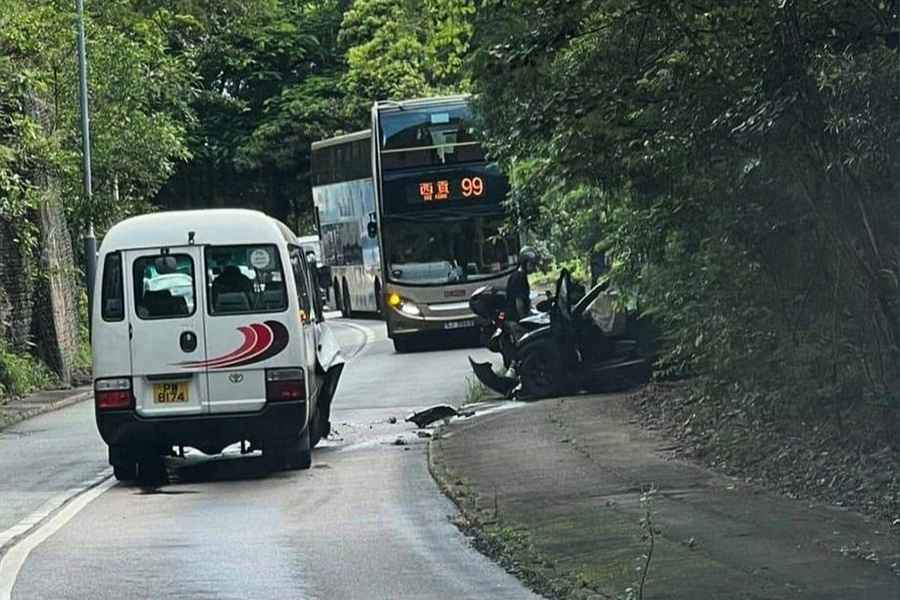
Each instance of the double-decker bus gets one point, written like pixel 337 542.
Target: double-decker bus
pixel 344 197
pixel 439 216
pixel 409 216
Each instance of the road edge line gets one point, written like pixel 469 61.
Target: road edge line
pixel 43 409
pixel 368 337
pixel 13 560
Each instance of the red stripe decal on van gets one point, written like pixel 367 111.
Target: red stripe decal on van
pixel 246 347
pixel 261 342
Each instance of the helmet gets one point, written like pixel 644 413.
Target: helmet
pixel 529 255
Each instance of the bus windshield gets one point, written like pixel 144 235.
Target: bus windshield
pixel 435 251
pixel 433 136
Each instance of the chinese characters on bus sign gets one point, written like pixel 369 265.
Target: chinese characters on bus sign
pixel 436 191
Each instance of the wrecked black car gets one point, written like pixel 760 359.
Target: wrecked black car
pixel 578 342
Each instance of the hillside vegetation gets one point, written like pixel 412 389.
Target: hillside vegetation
pixel 740 164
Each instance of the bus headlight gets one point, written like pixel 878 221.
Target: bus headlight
pixel 410 308
pixel 401 304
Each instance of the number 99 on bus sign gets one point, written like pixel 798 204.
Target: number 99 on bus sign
pixel 471 187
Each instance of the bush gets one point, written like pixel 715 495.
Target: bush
pixel 21 373
pixel 738 163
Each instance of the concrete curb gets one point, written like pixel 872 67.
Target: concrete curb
pixel 23 409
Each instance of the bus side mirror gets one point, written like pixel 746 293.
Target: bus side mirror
pixel 323 275
pixel 372 229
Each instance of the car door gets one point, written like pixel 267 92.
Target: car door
pixel 248 326
pixel 167 342
pixel 308 316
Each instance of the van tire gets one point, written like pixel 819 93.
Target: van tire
pixel 151 470
pixel 125 471
pixel 290 454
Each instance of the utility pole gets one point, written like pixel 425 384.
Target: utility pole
pixel 90 242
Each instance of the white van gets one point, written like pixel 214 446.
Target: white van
pixel 205 333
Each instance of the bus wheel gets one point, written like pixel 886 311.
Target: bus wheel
pixel 337 297
pixel 379 300
pixel 403 343
pixel 346 306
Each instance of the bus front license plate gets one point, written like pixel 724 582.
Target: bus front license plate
pixel 170 393
pixel 459 324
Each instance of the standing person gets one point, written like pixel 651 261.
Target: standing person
pixel 518 290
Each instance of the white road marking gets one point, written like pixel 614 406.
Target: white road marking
pixel 78 498
pixel 365 331
pixel 23 526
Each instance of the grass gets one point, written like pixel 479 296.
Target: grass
pixel 547 279
pixel 22 373
pixel 83 358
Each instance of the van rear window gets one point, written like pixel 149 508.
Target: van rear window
pixel 164 286
pixel 112 294
pixel 244 279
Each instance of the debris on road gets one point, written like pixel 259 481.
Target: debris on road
pixel 428 416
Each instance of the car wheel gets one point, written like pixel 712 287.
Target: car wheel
pixel 540 370
pixel 125 471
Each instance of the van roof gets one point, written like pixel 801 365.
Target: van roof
pixel 210 226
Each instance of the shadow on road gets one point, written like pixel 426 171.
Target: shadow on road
pixel 198 468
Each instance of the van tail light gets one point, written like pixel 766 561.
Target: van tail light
pixel 113 394
pixel 285 385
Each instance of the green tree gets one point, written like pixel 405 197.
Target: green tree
pixel 399 49
pixel 269 73
pixel 139 105
pixel 738 162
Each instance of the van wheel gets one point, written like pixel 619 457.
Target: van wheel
pixel 346 305
pixel 290 455
pixel 125 471
pixel 151 470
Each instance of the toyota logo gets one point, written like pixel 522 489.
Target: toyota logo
pixel 235 378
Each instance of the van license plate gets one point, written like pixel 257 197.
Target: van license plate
pixel 459 324
pixel 170 393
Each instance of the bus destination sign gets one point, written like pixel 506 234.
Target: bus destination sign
pixel 445 189
pixel 473 187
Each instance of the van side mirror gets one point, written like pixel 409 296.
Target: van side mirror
pixel 323 276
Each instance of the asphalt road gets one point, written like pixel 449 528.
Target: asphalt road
pixel 366 521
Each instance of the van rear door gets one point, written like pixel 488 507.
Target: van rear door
pixel 168 346
pixel 247 324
